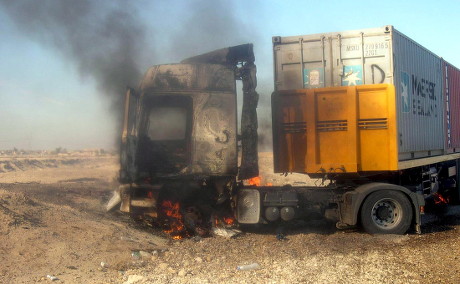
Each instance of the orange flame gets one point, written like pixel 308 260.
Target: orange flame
pixel 224 221
pixel 255 181
pixel 229 220
pixel 439 199
pixel 177 228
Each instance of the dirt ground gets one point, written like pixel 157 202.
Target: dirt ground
pixel 53 224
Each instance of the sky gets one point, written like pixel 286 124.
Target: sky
pixel 64 64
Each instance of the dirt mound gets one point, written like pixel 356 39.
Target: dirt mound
pixel 16 209
pixel 55 169
pixel 14 164
pixel 62 230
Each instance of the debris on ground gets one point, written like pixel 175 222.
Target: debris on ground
pixel 251 266
pixel 226 233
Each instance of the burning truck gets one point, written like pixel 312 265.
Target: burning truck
pixel 354 108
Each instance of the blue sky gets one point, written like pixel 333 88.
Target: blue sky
pixel 46 101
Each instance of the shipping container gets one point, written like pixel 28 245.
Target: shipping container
pixel 368 57
pixel 452 101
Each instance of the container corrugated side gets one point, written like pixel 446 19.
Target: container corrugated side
pixel 452 93
pixel 372 56
pixel 347 58
pixel 420 106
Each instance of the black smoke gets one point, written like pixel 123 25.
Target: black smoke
pixel 113 42
pixel 103 39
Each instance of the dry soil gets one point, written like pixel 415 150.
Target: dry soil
pixel 53 223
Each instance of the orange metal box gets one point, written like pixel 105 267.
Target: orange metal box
pixel 335 130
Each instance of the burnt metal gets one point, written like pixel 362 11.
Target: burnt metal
pixel 241 58
pixel 225 56
pixel 249 140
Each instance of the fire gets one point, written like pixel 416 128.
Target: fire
pixel 229 220
pixel 224 221
pixel 255 181
pixel 176 228
pixel 439 199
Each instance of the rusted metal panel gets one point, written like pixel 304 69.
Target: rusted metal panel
pixel 452 100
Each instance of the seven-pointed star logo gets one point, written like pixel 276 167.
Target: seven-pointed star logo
pixel 352 77
pixel 405 97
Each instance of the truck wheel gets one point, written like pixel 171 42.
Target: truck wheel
pixel 386 212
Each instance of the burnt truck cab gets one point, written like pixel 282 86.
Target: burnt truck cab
pixel 184 123
pixel 180 136
pixel 180 126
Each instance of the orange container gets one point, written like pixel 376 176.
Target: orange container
pixel 335 130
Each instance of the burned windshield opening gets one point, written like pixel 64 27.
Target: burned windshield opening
pixel 167 123
pixel 166 137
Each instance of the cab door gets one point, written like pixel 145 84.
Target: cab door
pixel 129 137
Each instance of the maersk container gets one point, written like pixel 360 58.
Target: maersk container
pixel 452 99
pixel 370 57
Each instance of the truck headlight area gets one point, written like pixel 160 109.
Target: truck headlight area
pixel 248 209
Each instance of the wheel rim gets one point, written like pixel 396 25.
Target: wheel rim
pixel 386 213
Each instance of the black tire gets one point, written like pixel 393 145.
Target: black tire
pixel 386 212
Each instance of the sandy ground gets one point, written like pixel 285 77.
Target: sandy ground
pixel 52 222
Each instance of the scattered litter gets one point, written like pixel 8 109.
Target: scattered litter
pixel 128 239
pixel 280 234
pixel 104 265
pixel 197 238
pixel 251 266
pixel 136 254
pixel 226 233
pixel 52 278
pixel 114 201
pixel 281 237
pixel 134 279
pixel 145 254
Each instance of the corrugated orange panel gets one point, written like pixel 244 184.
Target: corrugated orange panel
pixel 377 128
pixel 339 129
pixel 289 131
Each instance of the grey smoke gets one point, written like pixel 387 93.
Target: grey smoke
pixel 110 42
pixel 103 39
pixel 211 25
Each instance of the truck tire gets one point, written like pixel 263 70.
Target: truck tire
pixel 386 212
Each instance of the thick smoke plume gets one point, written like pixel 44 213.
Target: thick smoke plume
pixel 211 25
pixel 102 38
pixel 113 42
